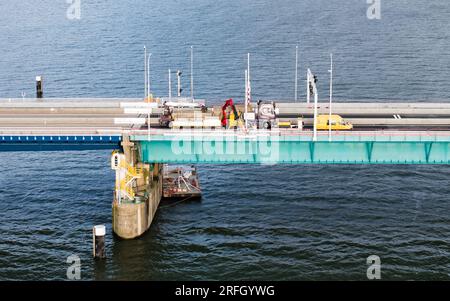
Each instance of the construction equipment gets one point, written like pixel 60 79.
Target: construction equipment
pixel 289 123
pixel 180 181
pixel 197 117
pixel 234 118
pixel 266 115
pixel 166 119
pixel 337 123
pixel 200 120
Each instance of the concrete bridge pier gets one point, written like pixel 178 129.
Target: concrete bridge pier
pixel 137 194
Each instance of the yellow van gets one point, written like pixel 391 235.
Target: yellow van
pixel 337 123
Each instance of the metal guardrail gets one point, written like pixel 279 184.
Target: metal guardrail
pixel 58 142
pixel 24 131
pixel 155 134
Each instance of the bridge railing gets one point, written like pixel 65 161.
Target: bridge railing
pixel 292 134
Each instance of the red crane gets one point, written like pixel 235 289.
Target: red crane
pixel 228 103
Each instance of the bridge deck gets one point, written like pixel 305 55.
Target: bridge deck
pixel 62 113
pixel 59 124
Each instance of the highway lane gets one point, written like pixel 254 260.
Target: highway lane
pixel 116 106
pixel 113 109
pixel 100 121
pixel 103 113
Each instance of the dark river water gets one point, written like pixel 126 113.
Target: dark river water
pixel 281 222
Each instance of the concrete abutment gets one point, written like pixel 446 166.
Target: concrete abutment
pixel 138 192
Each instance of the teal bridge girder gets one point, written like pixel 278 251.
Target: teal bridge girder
pixel 344 148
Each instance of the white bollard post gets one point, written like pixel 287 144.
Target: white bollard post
pixel 98 241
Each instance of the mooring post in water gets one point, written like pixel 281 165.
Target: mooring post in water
pixel 39 89
pixel 98 243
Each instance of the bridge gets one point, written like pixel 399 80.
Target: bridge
pixel 384 133
pixel 292 147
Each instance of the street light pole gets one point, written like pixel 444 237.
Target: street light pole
pixel 331 95
pixel 296 73
pixel 249 87
pixel 246 97
pixel 148 97
pixel 148 76
pixel 170 87
pixel 312 82
pixel 192 73
pixel 308 91
pixel 145 72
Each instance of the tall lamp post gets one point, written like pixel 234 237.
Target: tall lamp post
pixel 145 72
pixel 148 77
pixel 296 74
pixel 312 83
pixel 331 95
pixel 192 73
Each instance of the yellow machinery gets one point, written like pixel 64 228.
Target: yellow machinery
pixel 233 119
pixel 284 124
pixel 337 123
